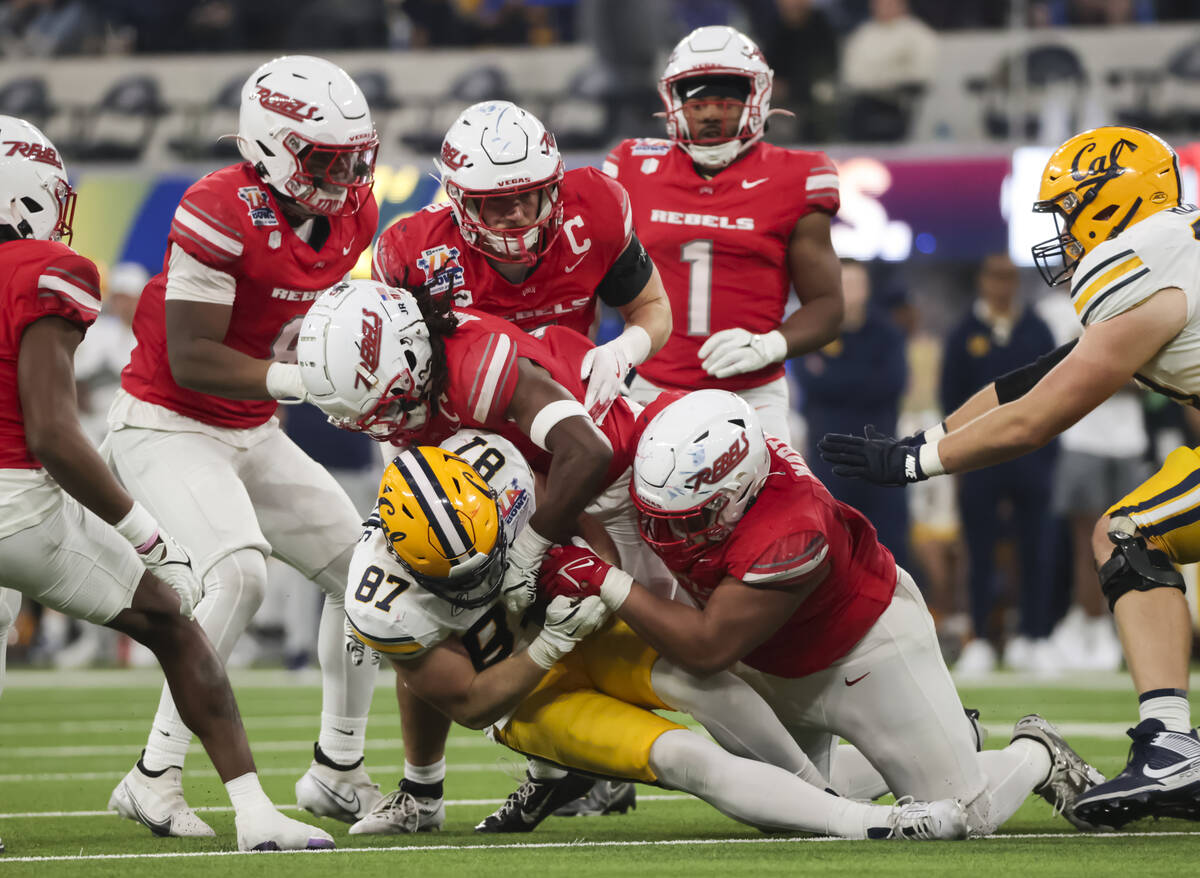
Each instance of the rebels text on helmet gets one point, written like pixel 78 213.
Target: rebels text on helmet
pixel 722 466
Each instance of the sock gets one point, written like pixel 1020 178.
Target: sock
pixel 540 770
pixel 342 738
pixel 425 781
pixel 1168 705
pixel 246 793
pixel 168 743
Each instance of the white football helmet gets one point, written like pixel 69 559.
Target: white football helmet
pixel 306 127
pixel 720 56
pixel 366 359
pixel 496 149
pixel 700 462
pixel 36 200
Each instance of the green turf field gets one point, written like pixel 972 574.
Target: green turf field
pixel 66 738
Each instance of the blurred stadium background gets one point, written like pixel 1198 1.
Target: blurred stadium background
pixel 938 114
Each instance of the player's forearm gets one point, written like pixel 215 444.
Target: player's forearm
pixel 652 314
pixel 1000 434
pixel 813 326
pixel 211 367
pixel 980 403
pixel 71 459
pixel 496 692
pixel 678 633
pixel 576 476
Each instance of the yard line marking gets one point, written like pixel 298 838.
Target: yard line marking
pixel 550 845
pixel 75 776
pixel 219 809
pixel 142 723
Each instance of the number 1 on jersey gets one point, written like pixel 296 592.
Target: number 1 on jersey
pixel 698 254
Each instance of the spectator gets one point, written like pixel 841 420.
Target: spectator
pixel 1103 456
pixel 887 64
pixel 801 47
pixel 858 379
pixel 997 336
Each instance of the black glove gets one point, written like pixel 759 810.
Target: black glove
pixel 872 456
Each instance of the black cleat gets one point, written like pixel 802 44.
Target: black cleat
pixel 534 801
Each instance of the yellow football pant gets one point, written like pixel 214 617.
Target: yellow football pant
pixel 593 710
pixel 1166 507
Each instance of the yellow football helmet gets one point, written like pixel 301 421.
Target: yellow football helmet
pixel 441 521
pixel 1096 185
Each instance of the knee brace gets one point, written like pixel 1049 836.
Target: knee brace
pixel 1133 566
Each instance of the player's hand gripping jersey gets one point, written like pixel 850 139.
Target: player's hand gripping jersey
pixel 794 527
pixel 482 354
pixel 37 279
pixel 720 244
pixel 427 249
pixel 390 613
pixel 1116 276
pixel 230 222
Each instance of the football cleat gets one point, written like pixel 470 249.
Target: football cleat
pixel 328 790
pixel 400 812
pixel 1161 779
pixel 943 820
pixel 534 801
pixel 1069 778
pixel 605 797
pixel 157 803
pixel 265 829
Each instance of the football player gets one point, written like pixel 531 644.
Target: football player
pixel 525 241
pixel 193 434
pixel 425 590
pixel 792 588
pixel 71 537
pixel 1131 252
pixel 732 223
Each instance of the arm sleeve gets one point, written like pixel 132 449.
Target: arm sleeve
pixel 627 276
pixel 68 286
pixel 1015 384
pixel 191 280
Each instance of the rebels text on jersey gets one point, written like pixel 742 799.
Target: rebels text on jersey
pixel 719 244
pixel 428 249
pixel 230 221
pixel 794 527
pixel 37 279
pixel 482 355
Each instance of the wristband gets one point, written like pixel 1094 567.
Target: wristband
pixel 936 432
pixel 929 461
pixel 543 652
pixel 548 418
pixel 139 527
pixel 635 342
pixel 615 588
pixel 284 382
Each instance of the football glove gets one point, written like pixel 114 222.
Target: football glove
pixel 162 556
pixel 568 621
pixel 737 351
pixel 578 572
pixel 285 384
pixel 604 369
pixel 873 457
pixel 518 589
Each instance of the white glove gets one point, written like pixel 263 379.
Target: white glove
pixel 162 556
pixel 737 351
pixel 568 621
pixel 519 586
pixel 285 383
pixel 604 368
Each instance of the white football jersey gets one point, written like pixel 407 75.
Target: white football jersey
pixel 1161 251
pixel 390 613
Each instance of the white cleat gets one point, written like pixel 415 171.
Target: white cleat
pixel 943 820
pixel 343 794
pixel 265 829
pixel 400 813
pixel 158 804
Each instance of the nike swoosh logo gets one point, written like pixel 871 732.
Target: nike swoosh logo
pixel 346 249
pixel 343 731
pixel 750 184
pixel 855 680
pixel 571 268
pixel 693 91
pixel 1177 768
pixel 350 804
pixel 158 827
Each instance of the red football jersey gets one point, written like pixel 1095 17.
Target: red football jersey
pixel 793 527
pixel 37 279
pixel 231 222
pixel 561 289
pixel 720 245
pixel 482 355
